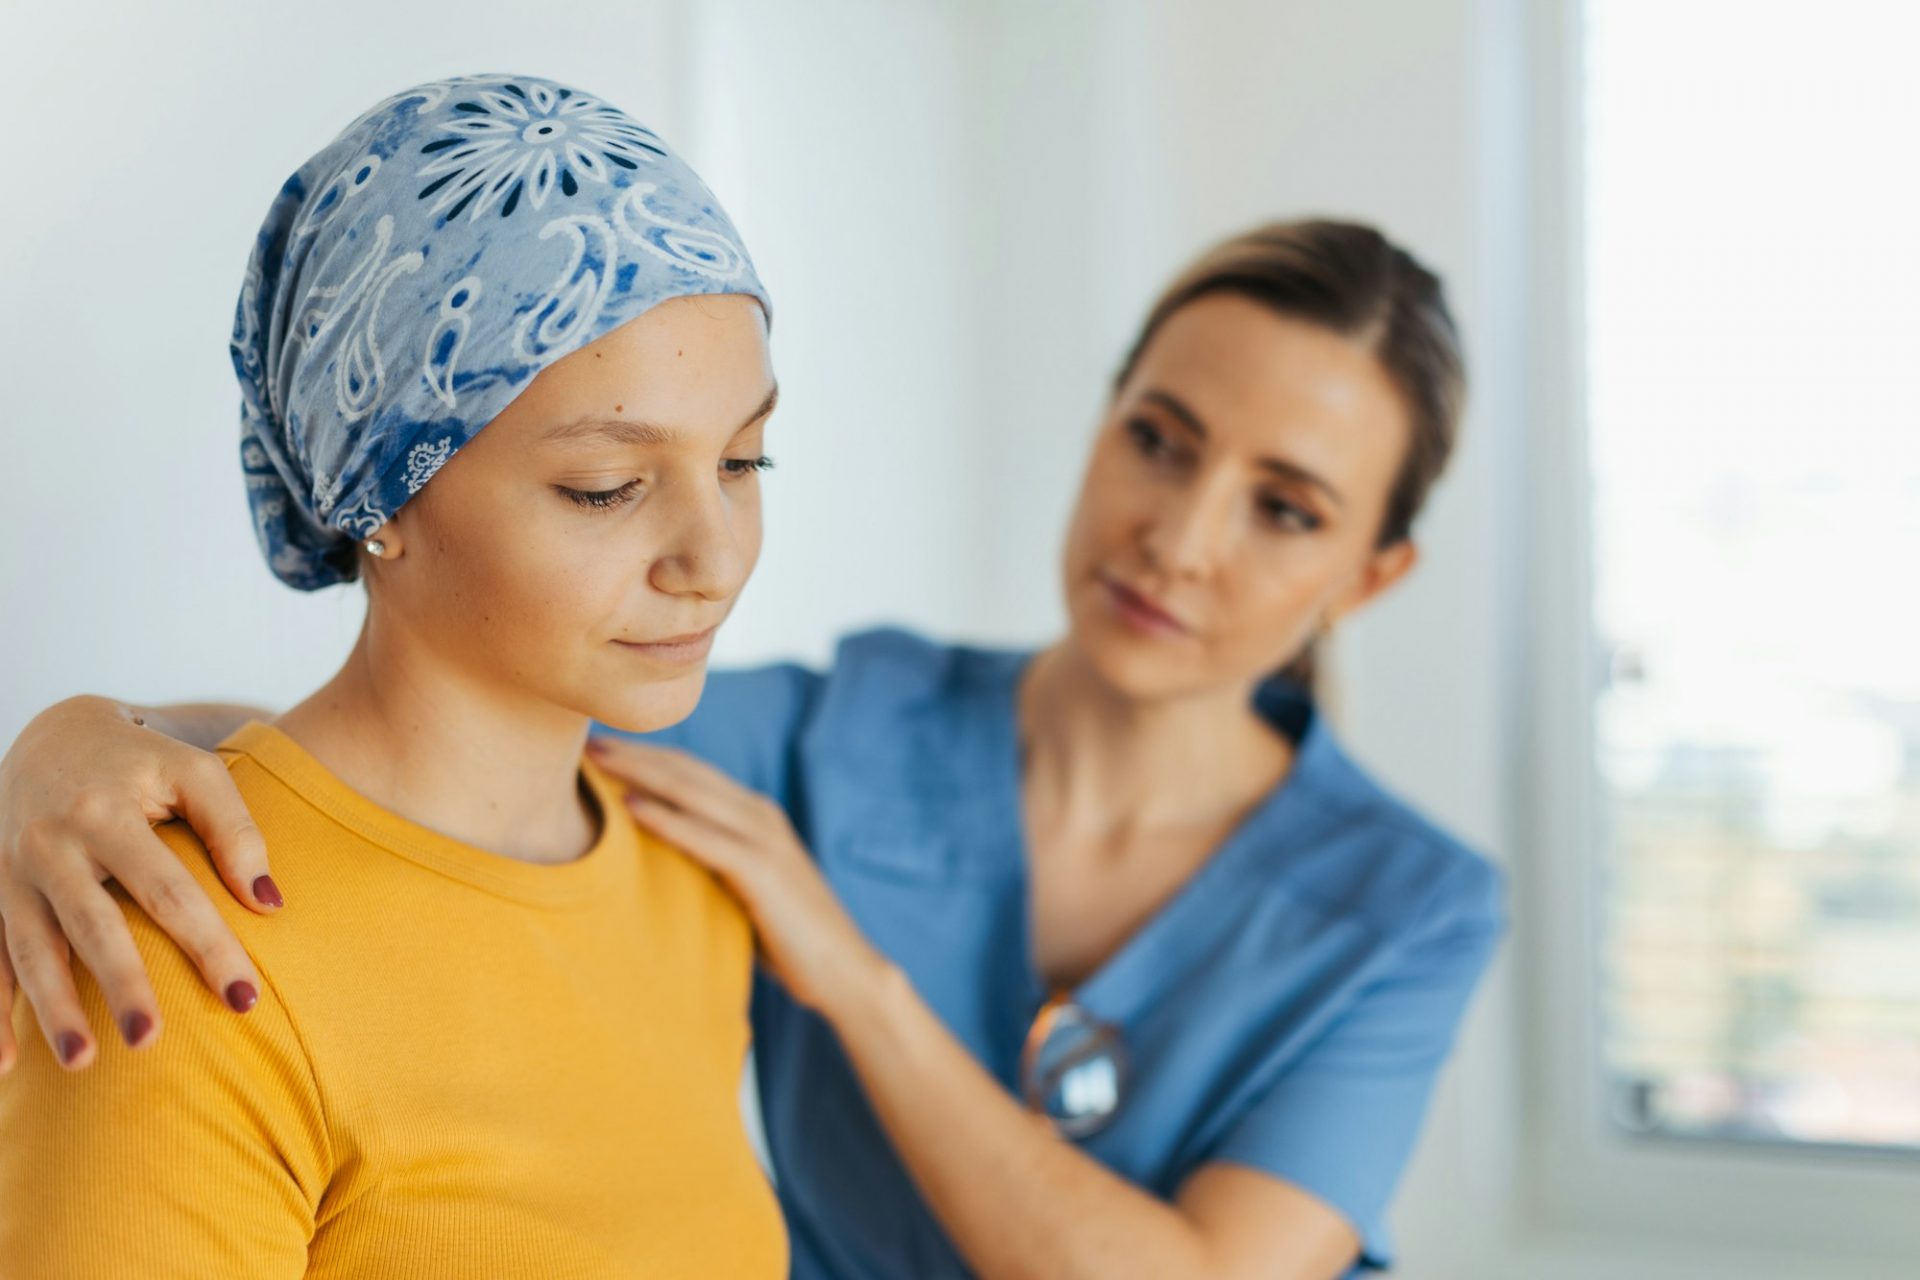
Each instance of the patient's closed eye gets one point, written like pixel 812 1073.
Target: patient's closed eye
pixel 607 499
pixel 599 499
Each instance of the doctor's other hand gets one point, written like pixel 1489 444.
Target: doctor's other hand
pixel 80 790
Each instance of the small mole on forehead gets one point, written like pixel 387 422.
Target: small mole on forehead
pixel 617 408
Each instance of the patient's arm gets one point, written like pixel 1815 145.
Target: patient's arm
pixel 79 791
pixel 206 1155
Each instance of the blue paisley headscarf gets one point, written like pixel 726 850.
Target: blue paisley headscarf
pixel 418 272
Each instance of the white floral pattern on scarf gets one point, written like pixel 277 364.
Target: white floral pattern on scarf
pixel 528 140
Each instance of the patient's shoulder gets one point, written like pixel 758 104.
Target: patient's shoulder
pixel 294 831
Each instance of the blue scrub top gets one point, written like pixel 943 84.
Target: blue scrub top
pixel 1288 1009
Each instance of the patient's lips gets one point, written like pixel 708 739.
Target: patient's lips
pixel 679 650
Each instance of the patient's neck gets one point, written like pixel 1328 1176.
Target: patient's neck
pixel 496 769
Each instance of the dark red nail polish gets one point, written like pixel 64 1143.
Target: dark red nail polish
pixel 241 996
pixel 266 892
pixel 134 1027
pixel 72 1045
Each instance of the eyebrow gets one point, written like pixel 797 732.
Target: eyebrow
pixel 629 431
pixel 1178 410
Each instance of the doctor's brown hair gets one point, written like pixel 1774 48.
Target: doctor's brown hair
pixel 1350 279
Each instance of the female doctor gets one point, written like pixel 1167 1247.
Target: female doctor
pixel 1099 960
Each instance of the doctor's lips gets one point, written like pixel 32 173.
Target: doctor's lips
pixel 688 647
pixel 1139 610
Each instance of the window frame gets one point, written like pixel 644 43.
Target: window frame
pixel 1581 1174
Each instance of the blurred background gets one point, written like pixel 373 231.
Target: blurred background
pixel 1660 657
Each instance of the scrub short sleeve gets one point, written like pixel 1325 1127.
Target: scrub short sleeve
pixel 747 725
pixel 1342 1122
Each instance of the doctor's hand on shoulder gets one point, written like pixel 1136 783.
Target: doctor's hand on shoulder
pixel 807 939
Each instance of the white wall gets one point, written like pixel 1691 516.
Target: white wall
pixel 830 131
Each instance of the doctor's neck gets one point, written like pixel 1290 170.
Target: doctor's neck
pixel 1139 763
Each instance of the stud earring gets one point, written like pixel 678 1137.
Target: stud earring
pixel 376 548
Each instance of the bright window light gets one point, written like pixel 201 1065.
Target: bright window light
pixel 1753 268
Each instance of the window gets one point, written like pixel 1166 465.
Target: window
pixel 1752 330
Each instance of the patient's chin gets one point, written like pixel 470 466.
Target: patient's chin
pixel 656 704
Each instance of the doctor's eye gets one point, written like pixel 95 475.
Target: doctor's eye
pixel 1290 516
pixel 1155 445
pixel 1146 437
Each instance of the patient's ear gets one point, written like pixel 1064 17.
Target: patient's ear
pixel 385 543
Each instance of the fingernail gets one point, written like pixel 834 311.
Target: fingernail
pixel 72 1045
pixel 266 892
pixel 134 1028
pixel 241 996
pixel 595 746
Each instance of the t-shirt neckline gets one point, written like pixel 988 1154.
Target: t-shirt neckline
pixel 562 884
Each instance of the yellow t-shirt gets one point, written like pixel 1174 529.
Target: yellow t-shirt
pixel 460 1065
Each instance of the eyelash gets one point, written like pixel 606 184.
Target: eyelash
pixel 599 499
pixel 608 499
pixel 1153 445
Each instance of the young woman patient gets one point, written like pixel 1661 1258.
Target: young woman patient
pixel 503 358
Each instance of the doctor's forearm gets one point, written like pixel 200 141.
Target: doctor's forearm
pixel 199 724
pixel 1017 1200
